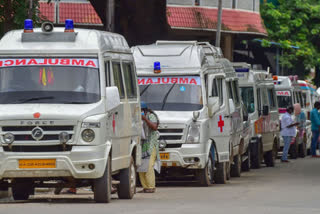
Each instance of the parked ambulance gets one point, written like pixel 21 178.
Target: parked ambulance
pixel 290 92
pixel 69 111
pixel 194 91
pixel 259 97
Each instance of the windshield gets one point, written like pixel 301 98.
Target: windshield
pixel 53 80
pixel 181 93
pixel 284 102
pixel 247 96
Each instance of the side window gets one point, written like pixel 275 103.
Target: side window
pixel 302 100
pixel 107 73
pixel 118 81
pixel 259 100
pixel 229 87
pixel 271 99
pixel 130 80
pixel 236 92
pixel 220 90
pixel 214 92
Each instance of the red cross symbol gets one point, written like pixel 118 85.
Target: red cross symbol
pixel 114 124
pixel 220 123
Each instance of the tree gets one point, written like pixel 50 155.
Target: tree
pixel 295 23
pixel 14 12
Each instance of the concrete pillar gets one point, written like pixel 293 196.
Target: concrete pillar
pixel 228 46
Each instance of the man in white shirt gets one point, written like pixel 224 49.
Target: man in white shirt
pixel 288 131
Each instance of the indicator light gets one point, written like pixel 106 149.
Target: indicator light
pixel 157 67
pixel 69 25
pixel 28 26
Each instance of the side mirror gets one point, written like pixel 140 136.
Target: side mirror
pixel 265 111
pixel 213 105
pixel 245 117
pixel 231 106
pixel 113 98
pixel 196 116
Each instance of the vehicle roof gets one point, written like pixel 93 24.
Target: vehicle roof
pixel 173 56
pixel 86 41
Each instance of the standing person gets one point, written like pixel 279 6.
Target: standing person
pixel 301 119
pixel 315 126
pixel 150 150
pixel 288 131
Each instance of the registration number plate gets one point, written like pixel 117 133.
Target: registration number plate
pixel 164 156
pixel 37 163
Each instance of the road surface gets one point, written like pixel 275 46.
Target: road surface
pixel 292 188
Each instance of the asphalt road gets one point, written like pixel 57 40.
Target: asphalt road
pixel 292 188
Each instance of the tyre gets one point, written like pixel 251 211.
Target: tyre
pixel 127 186
pixel 21 190
pixel 235 170
pixel 246 165
pixel 102 186
pixel 293 151
pixel 256 155
pixel 220 175
pixel 270 156
pixel 206 175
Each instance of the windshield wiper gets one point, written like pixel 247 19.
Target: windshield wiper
pixel 144 89
pixel 166 96
pixel 35 98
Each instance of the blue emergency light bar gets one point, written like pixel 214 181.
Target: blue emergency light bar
pixel 157 67
pixel 28 26
pixel 69 26
pixel 242 70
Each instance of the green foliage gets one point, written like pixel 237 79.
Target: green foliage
pixel 14 12
pixel 295 23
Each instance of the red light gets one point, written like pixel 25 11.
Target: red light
pixel 36 115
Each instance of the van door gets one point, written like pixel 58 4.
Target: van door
pixel 237 124
pixel 120 140
pixel 219 123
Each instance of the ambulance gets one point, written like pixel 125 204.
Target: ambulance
pixel 194 91
pixel 69 111
pixel 259 96
pixel 290 92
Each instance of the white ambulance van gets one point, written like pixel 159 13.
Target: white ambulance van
pixel 194 91
pixel 69 111
pixel 289 92
pixel 259 97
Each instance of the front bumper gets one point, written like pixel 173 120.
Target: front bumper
pixel 68 164
pixel 186 156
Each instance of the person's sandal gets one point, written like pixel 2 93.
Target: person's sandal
pixel 153 190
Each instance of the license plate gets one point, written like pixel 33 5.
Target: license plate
pixel 164 156
pixel 37 163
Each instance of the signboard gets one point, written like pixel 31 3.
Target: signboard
pixel 188 80
pixel 284 93
pixel 79 62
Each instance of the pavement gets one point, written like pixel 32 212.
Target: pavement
pixel 288 188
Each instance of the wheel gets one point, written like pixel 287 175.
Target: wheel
pixel 246 165
pixel 102 186
pixel 255 155
pixel 21 189
pixel 220 175
pixel 303 148
pixel 293 151
pixel 235 170
pixel 270 156
pixel 206 175
pixel 127 186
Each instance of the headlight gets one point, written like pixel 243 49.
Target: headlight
pixel 88 135
pixel 8 138
pixel 87 125
pixel 162 144
pixel 193 133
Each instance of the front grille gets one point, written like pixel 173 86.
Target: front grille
pixel 29 128
pixel 50 133
pixel 170 137
pixel 174 145
pixel 45 137
pixel 170 130
pixel 54 148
